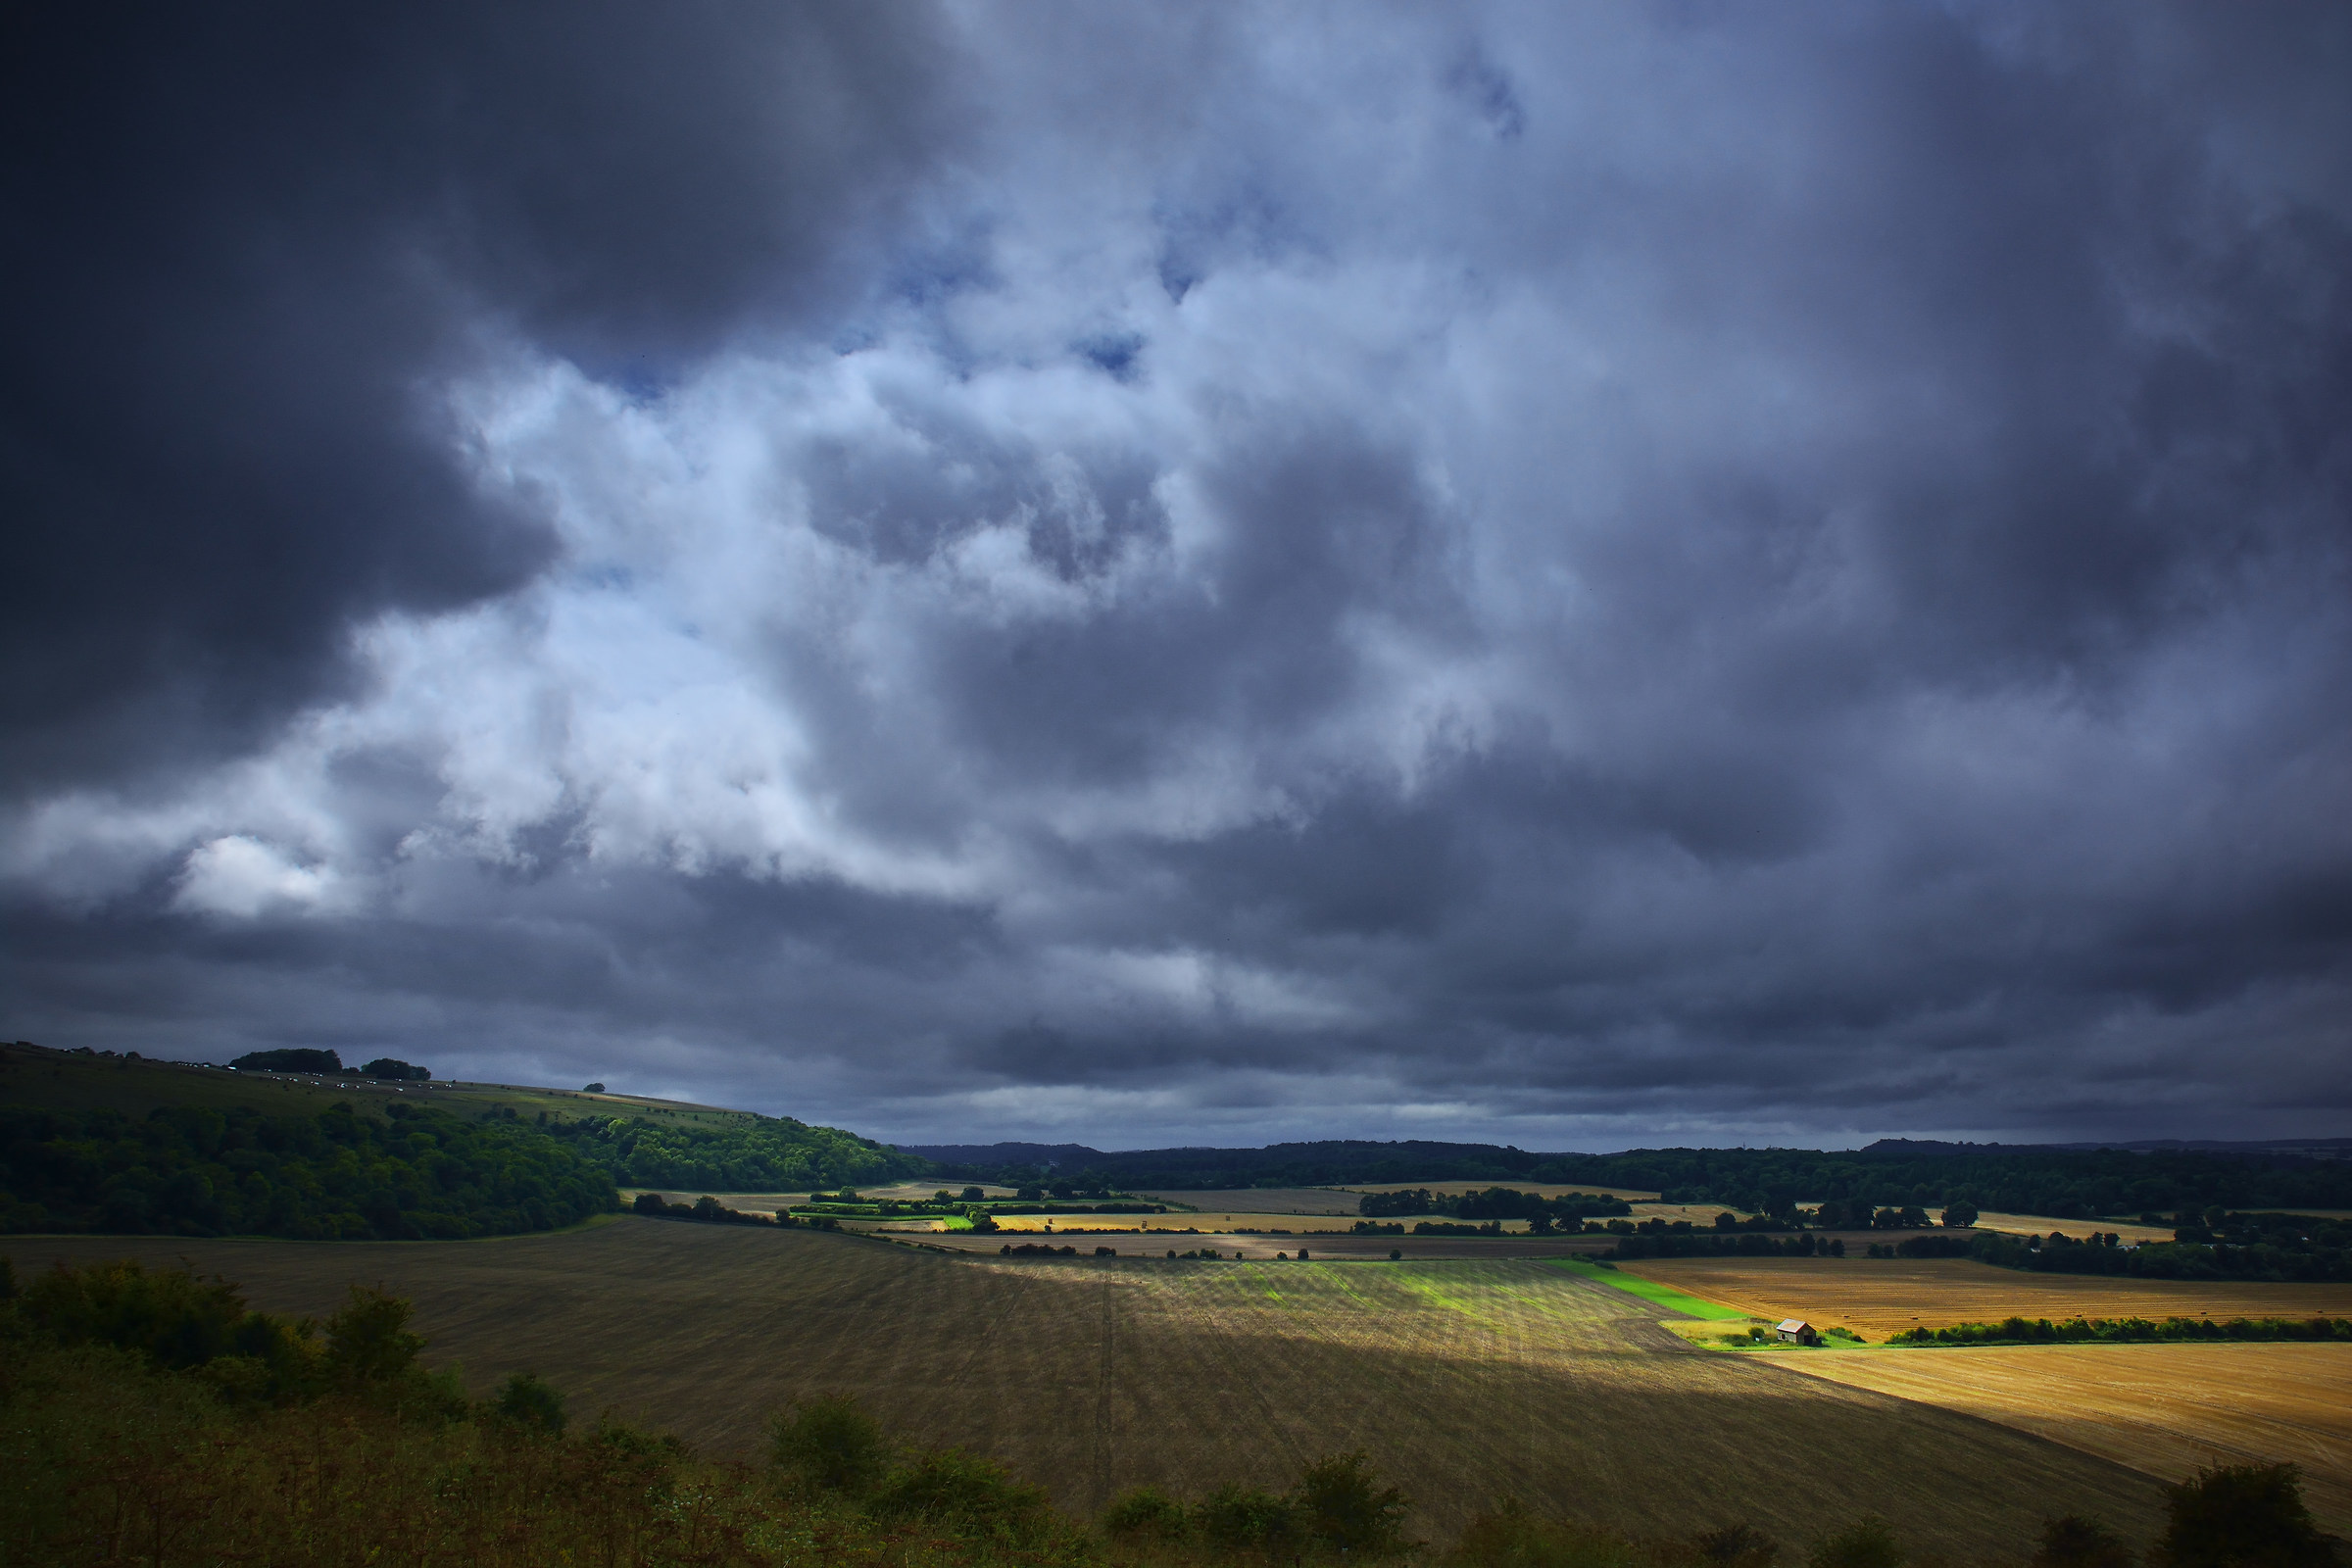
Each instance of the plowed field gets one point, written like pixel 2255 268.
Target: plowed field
pixel 1466 1381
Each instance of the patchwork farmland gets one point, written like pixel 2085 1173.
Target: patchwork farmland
pixel 2163 1408
pixel 1468 1381
pixel 1881 1296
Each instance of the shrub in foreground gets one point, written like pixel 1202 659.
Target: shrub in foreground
pixel 1145 1514
pixel 1342 1505
pixel 2242 1516
pixel 829 1442
pixel 1867 1543
pixel 1513 1538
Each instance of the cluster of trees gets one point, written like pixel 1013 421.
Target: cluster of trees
pixel 1922 1247
pixel 1493 1203
pixel 327 1062
pixel 708 1210
pixel 176 1321
pixel 734 1153
pixel 2310 1250
pixel 2066 1184
pixel 2062 1183
pixel 2128 1330
pixel 1849 1214
pixel 185 1170
pixel 1716 1243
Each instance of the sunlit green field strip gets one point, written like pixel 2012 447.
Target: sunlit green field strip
pixel 1665 1296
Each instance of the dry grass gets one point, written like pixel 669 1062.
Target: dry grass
pixel 1467 1381
pixel 1879 1297
pixel 2163 1408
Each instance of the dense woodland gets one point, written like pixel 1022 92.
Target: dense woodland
pixel 733 1154
pixel 2232 1246
pixel 184 1170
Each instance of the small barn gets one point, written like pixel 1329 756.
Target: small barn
pixel 1797 1331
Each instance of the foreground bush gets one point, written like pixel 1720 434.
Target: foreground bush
pixel 2242 1516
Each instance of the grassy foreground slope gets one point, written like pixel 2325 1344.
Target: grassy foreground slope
pixel 1466 1381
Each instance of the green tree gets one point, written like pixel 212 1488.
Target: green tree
pixel 173 1318
pixel 830 1442
pixel 960 1491
pixel 367 1340
pixel 1342 1503
pixel 2241 1516
pixel 1867 1543
pixel 1738 1546
pixel 1235 1516
pixel 525 1402
pixel 1959 1214
pixel 1145 1514
pixel 1511 1537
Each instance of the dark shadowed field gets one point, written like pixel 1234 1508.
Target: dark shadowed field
pixel 1466 1380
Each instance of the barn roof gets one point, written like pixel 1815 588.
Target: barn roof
pixel 1793 1325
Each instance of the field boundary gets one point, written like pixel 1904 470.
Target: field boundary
pixel 1665 1296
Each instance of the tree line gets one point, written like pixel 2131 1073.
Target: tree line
pixel 2245 1247
pixel 2065 1184
pixel 327 1064
pixel 1493 1203
pixel 185 1170
pixel 2128 1331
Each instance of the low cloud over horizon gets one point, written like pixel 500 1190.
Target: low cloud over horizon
pixel 1197 575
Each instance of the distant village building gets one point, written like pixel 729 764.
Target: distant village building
pixel 1797 1331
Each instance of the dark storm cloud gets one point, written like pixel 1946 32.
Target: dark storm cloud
pixel 247 240
pixel 1170 574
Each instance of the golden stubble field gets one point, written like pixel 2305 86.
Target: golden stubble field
pixel 2163 1408
pixel 1879 1297
pixel 2167 1408
pixel 1468 1381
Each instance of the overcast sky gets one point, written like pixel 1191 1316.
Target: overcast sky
pixel 1575 575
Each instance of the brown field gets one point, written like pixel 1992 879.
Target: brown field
pixel 2164 1408
pixel 1466 1381
pixel 1879 1297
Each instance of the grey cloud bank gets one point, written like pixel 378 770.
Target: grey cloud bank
pixel 1204 575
